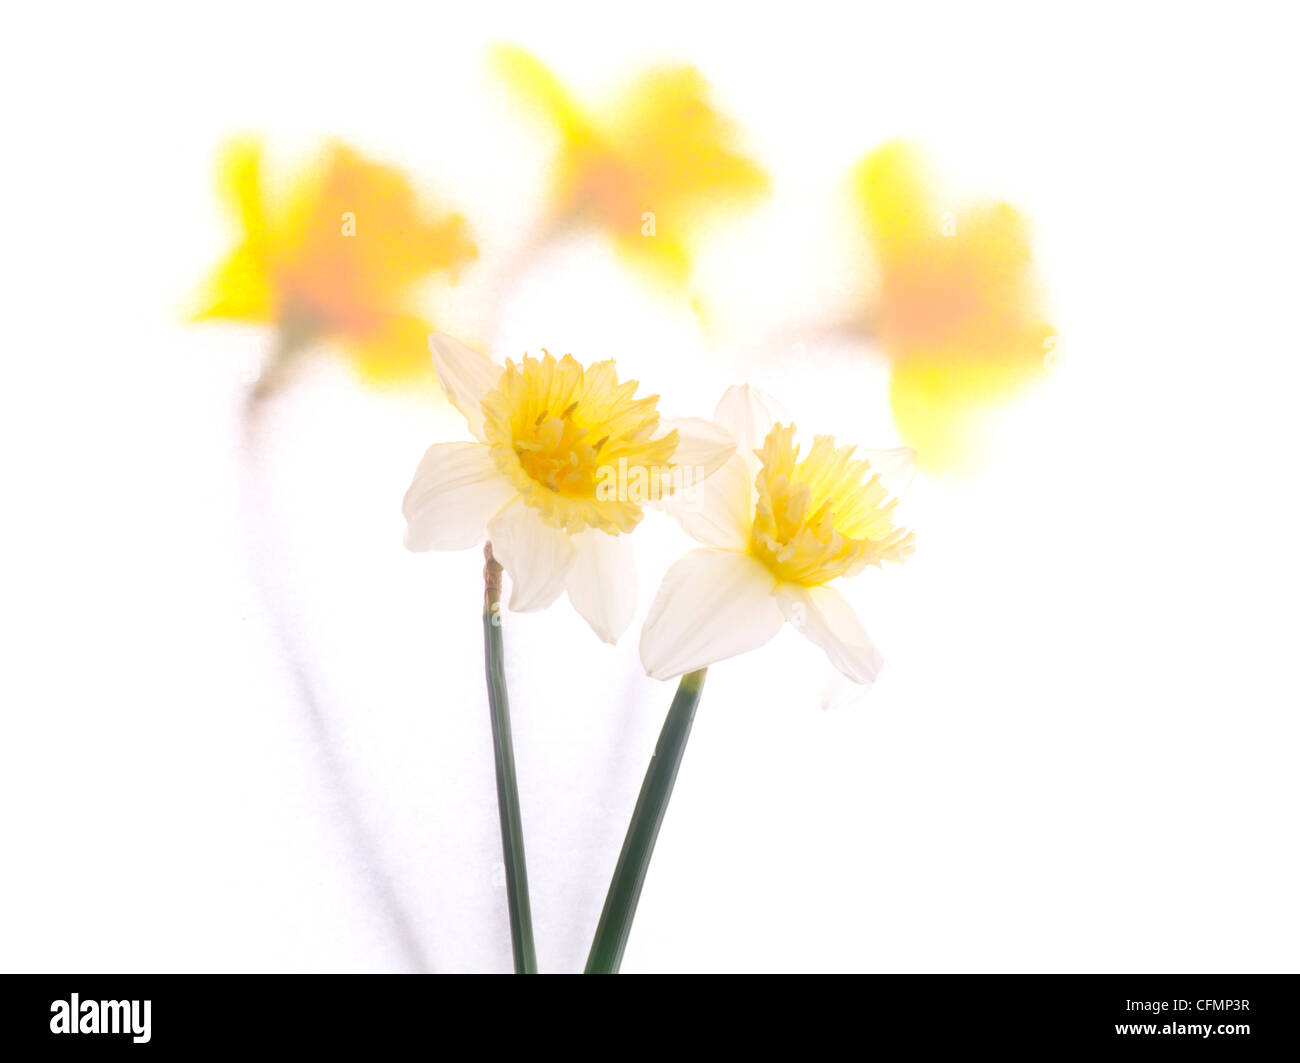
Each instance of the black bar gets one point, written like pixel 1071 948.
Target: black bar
pixel 435 1016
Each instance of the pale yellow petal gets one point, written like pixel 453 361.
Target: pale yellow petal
pixel 456 490
pixel 466 376
pixel 535 555
pixel 825 617
pixel 602 582
pixel 713 604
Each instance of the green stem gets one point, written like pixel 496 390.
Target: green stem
pixel 629 875
pixel 512 830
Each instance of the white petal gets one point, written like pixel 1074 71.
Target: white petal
pixel 535 554
pixel 602 582
pixel 720 511
pixel 896 467
pixel 748 415
pixel 702 446
pixel 825 616
pixel 465 375
pixel 456 490
pixel 713 604
pixel 840 693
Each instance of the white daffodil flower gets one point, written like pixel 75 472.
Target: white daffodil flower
pixel 777 530
pixel 564 460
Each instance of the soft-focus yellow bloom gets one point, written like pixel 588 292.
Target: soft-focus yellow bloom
pixel 648 171
pixel 958 311
pixel 336 255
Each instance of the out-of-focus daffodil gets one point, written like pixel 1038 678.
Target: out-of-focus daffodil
pixel 958 312
pixel 336 255
pixel 650 170
pixel 778 529
pixel 565 459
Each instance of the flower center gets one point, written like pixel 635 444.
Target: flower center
pixel 561 432
pixel 823 517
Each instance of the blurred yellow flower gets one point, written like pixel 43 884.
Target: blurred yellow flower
pixel 958 310
pixel 650 170
pixel 335 255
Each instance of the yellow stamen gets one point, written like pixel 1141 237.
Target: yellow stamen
pixel 823 517
pixel 557 430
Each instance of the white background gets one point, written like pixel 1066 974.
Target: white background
pixel 1082 753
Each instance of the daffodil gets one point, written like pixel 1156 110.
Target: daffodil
pixel 778 530
pixel 648 171
pixel 335 255
pixel 565 459
pixel 958 310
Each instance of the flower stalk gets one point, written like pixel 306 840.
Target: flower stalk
pixel 629 874
pixel 512 831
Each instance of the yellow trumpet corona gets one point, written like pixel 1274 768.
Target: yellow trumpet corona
pixel 822 518
pixel 555 427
